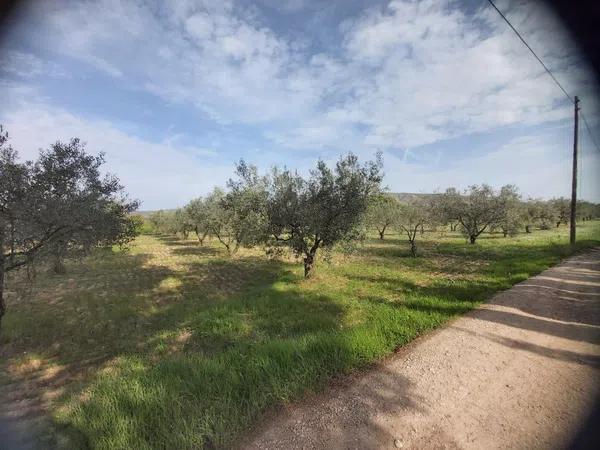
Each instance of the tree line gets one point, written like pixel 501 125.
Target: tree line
pixel 473 211
pixel 284 210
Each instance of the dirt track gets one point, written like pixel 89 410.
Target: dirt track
pixel 522 371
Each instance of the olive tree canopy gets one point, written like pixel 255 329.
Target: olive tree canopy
pixel 477 209
pixel 308 214
pixel 57 205
pixel 382 213
pixel 410 218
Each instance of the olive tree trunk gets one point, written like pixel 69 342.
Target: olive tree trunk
pixel 2 302
pixel 2 268
pixel 200 238
pixel 309 259
pixel 58 265
pixel 413 248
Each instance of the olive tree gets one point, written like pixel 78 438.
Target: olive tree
pixel 477 209
pixel 219 220
pixel 442 208
pixel 197 211
pixel 318 212
pixel 540 213
pixel 57 205
pixel 246 205
pixel 160 221
pixel 237 218
pixel 172 222
pixel 512 214
pixel 529 214
pixel 181 222
pixel 411 217
pixel 546 214
pixel 382 213
pixel 562 209
pixel 586 210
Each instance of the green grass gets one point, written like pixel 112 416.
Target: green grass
pixel 172 345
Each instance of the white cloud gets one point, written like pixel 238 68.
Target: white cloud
pixel 540 166
pixel 26 65
pixel 162 175
pixel 408 74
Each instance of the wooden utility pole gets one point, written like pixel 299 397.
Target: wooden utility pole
pixel 574 185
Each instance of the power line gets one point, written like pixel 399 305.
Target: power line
pixel 587 127
pixel 531 50
pixel 580 163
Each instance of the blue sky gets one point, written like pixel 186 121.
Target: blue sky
pixel 175 92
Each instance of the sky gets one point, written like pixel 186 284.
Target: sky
pixel 174 93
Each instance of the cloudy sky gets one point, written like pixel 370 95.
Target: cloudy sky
pixel 175 92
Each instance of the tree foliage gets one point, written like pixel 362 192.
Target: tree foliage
pixel 477 209
pixel 308 214
pixel 511 219
pixel 57 206
pixel 197 212
pixel 562 210
pixel 538 213
pixel 411 217
pixel 382 213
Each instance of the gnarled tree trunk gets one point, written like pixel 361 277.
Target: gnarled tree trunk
pixel 58 258
pixel 200 239
pixel 413 248
pixel 309 259
pixel 2 302
pixel 472 239
pixel 58 265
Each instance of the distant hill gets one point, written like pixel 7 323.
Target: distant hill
pixel 149 212
pixel 404 197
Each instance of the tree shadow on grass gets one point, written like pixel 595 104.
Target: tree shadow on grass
pixel 544 312
pixel 232 390
pixel 195 251
pixel 120 305
pixel 444 288
pixel 169 239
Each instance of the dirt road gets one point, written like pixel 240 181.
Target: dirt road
pixel 522 371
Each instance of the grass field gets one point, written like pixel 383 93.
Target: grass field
pixel 173 345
